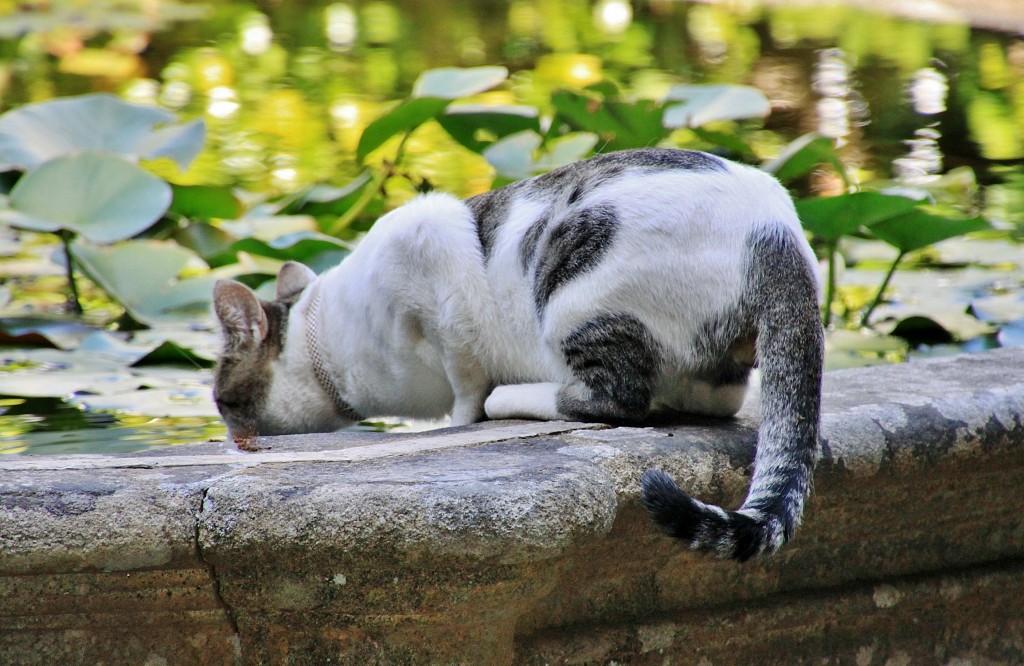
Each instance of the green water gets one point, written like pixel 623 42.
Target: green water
pixel 286 90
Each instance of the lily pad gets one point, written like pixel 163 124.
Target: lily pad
pixel 998 308
pixel 512 157
pixel 831 218
pixel 565 150
pixel 179 143
pixel 802 155
pixel 269 227
pixel 920 329
pixel 476 126
pixel 144 277
pixel 301 246
pixel 36 133
pixel 328 201
pixel 211 243
pixel 171 353
pixel 451 83
pixel 919 228
pixel 1012 335
pixel 38 332
pixel 854 349
pixel 101 197
pixel 59 381
pixel 155 402
pixel 702 104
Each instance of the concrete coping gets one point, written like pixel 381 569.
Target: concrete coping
pixel 323 523
pixel 875 419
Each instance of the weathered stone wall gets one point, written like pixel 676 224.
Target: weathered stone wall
pixel 524 543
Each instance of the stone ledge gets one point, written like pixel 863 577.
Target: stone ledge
pixel 522 542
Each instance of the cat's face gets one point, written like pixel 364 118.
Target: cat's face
pixel 253 388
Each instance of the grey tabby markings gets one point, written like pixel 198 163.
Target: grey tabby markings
pixel 658 159
pixel 528 245
pixel 785 298
pixel 573 246
pixel 617 358
pixel 491 209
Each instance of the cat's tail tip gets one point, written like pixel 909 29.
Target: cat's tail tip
pixel 738 535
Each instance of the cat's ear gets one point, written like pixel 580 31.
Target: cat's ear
pixel 293 278
pixel 240 313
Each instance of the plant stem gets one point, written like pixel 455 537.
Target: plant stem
pixel 373 189
pixel 74 302
pixel 830 284
pixel 881 289
pixel 400 151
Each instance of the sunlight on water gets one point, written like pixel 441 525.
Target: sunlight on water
pixel 340 26
pixel 287 90
pixel 613 16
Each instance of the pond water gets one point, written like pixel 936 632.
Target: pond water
pixel 286 90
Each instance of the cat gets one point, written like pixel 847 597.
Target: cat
pixel 629 285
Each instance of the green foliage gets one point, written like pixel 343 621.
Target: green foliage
pixel 401 120
pixel 97 196
pixel 88 187
pixel 618 124
pixel 905 223
pixel 832 218
pixel 87 149
pixel 700 105
pixel 144 276
pixel 433 91
pixel 919 227
pixel 205 202
pixel 478 126
pixel 81 178
pixel 100 123
pixel 804 155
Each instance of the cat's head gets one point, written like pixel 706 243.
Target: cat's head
pixel 257 386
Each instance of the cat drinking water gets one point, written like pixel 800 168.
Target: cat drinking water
pixel 632 284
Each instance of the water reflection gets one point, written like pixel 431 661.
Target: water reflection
pixel 839 71
pixel 924 158
pixel 928 91
pixel 222 102
pixel 255 35
pixel 832 82
pixel 613 16
pixel 340 26
pixel 288 90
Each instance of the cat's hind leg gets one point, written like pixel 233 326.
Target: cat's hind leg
pixel 613 361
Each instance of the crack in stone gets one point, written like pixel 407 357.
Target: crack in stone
pixel 214 577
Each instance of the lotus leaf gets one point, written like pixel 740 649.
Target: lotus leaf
pixel 36 133
pixel 101 197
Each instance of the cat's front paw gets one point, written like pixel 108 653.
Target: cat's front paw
pixel 524 401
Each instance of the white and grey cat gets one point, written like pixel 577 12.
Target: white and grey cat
pixel 628 285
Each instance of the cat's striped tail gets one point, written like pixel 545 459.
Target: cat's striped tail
pixel 782 294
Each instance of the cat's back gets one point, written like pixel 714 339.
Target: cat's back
pixel 659 190
pixel 635 204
